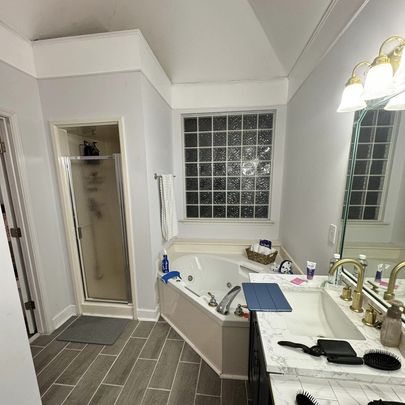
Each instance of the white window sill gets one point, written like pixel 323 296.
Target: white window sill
pixel 211 221
pixel 366 223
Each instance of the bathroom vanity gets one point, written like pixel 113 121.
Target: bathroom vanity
pixel 277 373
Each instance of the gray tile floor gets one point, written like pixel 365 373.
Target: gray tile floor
pixel 149 364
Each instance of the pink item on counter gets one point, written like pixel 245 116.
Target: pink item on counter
pixel 298 281
pixel 385 284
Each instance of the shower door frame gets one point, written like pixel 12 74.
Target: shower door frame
pixel 82 306
pixel 118 177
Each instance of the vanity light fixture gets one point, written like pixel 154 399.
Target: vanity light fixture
pixel 386 76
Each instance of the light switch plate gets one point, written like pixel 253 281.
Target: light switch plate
pixel 332 233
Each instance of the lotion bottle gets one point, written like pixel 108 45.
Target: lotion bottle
pixel 391 329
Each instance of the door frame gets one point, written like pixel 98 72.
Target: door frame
pixel 83 306
pixel 22 207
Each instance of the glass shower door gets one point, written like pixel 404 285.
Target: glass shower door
pixel 96 192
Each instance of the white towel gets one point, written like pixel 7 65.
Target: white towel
pixel 168 207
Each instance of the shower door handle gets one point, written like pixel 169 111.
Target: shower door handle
pixel 79 232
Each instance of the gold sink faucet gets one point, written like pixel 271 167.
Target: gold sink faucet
pixel 389 294
pixel 357 303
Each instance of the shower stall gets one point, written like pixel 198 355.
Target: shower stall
pixel 96 198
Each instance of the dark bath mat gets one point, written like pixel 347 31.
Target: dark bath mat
pixel 94 329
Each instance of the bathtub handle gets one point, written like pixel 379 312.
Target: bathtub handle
pixel 213 301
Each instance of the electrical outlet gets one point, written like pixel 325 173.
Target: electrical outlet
pixel 332 234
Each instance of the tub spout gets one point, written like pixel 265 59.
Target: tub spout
pixel 224 305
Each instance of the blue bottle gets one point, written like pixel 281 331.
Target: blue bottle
pixel 165 263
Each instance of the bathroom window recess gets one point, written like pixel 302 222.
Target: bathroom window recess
pixel 228 165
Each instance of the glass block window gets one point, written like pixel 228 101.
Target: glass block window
pixel 372 164
pixel 228 165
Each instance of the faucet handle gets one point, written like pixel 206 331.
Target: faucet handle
pixel 239 310
pixel 346 292
pixel 374 286
pixel 370 317
pixel 213 301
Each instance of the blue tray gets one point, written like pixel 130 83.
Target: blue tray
pixel 265 297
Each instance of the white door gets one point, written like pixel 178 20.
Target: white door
pixel 13 216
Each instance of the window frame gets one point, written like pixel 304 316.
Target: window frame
pixel 227 112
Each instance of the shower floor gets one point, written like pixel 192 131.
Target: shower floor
pixel 149 364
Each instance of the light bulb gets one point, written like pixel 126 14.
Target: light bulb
pixel 352 99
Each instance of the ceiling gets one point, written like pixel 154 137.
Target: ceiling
pixel 194 40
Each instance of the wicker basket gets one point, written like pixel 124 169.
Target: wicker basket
pixel 259 258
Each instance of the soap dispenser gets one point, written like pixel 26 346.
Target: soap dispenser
pixel 392 325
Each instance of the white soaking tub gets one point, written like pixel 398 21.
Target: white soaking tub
pixel 221 340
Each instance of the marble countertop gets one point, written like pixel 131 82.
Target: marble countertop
pixel 331 391
pixel 287 361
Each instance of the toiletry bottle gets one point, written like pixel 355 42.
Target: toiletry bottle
pixel 364 262
pixel 311 266
pixel 379 272
pixel 165 263
pixel 336 277
pixel 391 328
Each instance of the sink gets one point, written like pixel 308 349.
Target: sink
pixel 316 314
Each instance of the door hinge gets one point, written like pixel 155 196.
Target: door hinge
pixel 29 305
pixel 15 232
pixel 2 147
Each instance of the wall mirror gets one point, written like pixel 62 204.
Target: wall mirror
pixel 373 217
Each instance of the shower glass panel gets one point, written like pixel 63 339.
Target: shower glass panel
pixel 96 193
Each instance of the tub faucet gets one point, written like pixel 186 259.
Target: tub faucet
pixel 223 306
pixel 389 294
pixel 357 304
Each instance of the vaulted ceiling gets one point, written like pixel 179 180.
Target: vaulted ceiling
pixel 194 40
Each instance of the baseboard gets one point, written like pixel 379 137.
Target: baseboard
pixel 107 309
pixel 63 316
pixel 148 314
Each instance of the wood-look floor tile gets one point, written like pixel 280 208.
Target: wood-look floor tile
pixel 125 361
pixel 209 382
pixel 44 340
pixel 79 365
pixel 155 397
pixel 35 350
pixel 106 395
pixel 184 385
pixel 233 392
pixel 56 394
pixel 156 341
pixel 189 355
pixel 174 335
pixel 121 341
pixel 137 383
pixel 166 368
pixel 207 400
pixel 76 346
pixel 143 329
pixel 50 373
pixel 42 359
pixel 89 383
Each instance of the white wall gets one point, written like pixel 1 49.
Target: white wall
pixel 158 138
pixel 19 94
pixel 110 96
pixel 18 383
pixel 318 138
pixel 225 229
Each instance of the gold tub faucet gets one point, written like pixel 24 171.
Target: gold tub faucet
pixel 357 304
pixel 389 294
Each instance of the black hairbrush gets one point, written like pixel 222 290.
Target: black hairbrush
pixel 305 398
pixel 382 360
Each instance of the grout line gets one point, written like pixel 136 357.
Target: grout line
pixel 190 362
pixel 158 389
pixel 198 380
pixel 50 360
pixel 113 385
pixel 207 395
pixel 104 354
pixel 157 361
pixel 58 374
pixel 64 385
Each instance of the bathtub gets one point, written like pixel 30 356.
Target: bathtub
pixel 221 340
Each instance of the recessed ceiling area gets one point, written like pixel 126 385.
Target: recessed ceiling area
pixel 194 41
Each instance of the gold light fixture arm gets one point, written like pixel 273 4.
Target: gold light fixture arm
pixel 354 77
pixel 394 57
pixel 400 40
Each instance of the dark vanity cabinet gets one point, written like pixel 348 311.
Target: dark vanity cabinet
pixel 259 381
